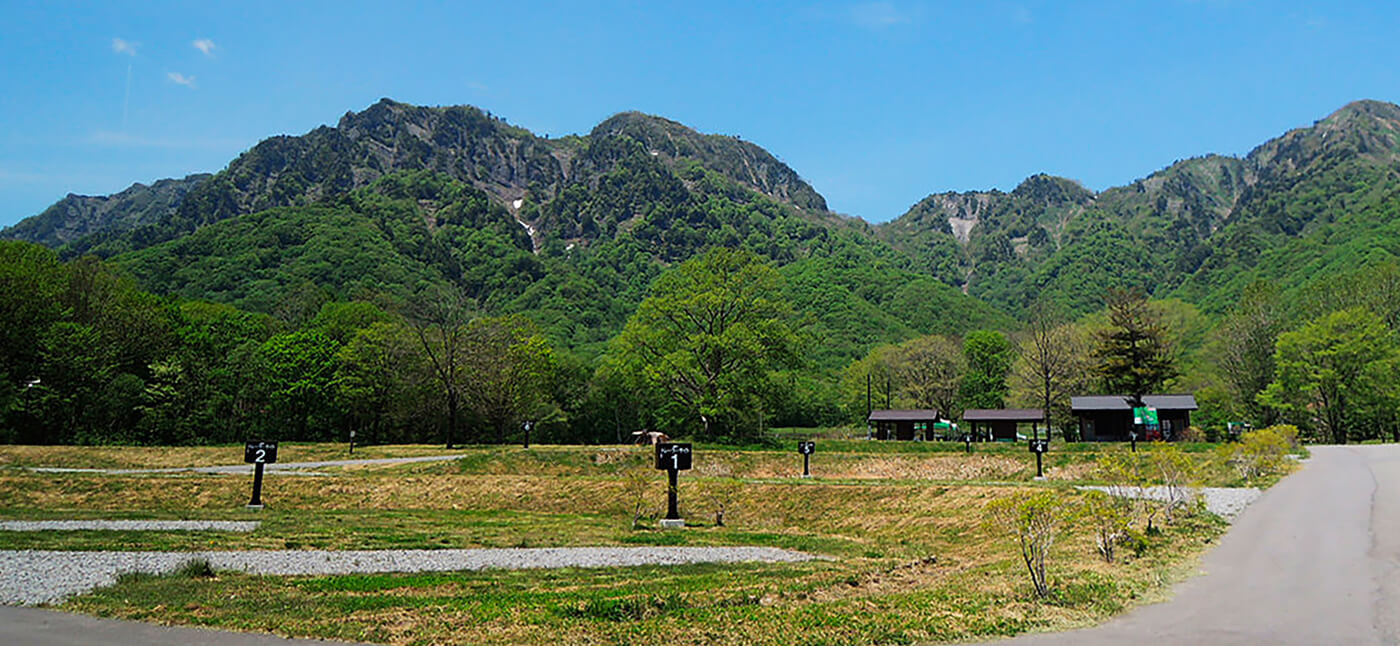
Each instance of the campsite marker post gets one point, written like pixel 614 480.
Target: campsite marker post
pixel 806 448
pixel 674 458
pixel 1039 447
pixel 258 454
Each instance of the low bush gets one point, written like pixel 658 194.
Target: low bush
pixel 1261 452
pixel 1034 521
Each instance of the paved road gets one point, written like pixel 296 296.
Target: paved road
pixel 36 627
pixel 1315 561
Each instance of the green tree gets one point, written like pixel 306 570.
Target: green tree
pixel 1323 367
pixel 930 371
pixel 377 372
pixel 439 319
pixel 300 368
pixel 863 381
pixel 709 334
pixel 989 355
pixel 510 364
pixel 1243 347
pixel 1133 354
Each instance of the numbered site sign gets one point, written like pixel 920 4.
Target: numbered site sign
pixel 673 457
pixel 806 448
pixel 260 452
pixel 1039 445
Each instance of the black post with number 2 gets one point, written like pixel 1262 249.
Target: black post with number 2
pixel 806 448
pixel 258 454
pixel 674 458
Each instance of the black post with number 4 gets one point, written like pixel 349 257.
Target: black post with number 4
pixel 258 454
pixel 806 449
pixel 1039 446
pixel 674 458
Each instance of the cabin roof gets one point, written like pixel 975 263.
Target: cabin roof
pixel 1120 402
pixel 1004 415
pixel 905 415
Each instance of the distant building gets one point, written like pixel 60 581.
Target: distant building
pixel 1109 418
pixel 1000 424
pixel 902 424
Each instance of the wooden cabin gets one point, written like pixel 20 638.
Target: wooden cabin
pixel 902 424
pixel 1109 418
pixel 1000 424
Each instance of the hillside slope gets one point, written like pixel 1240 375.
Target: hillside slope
pixel 1200 228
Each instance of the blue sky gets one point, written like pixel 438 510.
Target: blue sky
pixel 877 104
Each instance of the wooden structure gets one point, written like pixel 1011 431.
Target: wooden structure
pixel 1109 418
pixel 999 424
pixel 902 424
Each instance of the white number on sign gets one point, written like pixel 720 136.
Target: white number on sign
pixel 676 461
pixel 261 455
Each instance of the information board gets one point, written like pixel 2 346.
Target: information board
pixel 260 452
pixel 673 457
pixel 1039 445
pixel 806 448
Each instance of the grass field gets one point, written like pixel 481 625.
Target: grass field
pixel 911 560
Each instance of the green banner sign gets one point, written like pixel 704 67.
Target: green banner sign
pixel 1145 416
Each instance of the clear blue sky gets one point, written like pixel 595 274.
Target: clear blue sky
pixel 877 104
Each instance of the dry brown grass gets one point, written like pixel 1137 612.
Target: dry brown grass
pixel 151 457
pixel 913 559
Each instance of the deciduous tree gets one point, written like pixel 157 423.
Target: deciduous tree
pixel 1323 367
pixel 709 334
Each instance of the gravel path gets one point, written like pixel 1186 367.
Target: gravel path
pixel 248 468
pixel 1227 502
pixel 129 525
pixel 35 576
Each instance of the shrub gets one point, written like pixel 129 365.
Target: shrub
pixel 1178 474
pixel 195 569
pixel 1110 518
pixel 635 486
pixel 1034 520
pixel 1192 434
pixel 1125 474
pixel 1260 453
pixel 1289 433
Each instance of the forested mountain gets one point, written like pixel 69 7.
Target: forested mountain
pixel 571 230
pixel 568 232
pixel 78 216
pixel 627 165
pixel 316 251
pixel 1316 200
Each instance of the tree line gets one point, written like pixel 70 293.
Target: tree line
pixel 715 352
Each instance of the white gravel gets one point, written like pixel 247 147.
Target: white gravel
pixel 1227 502
pixel 128 525
pixel 34 576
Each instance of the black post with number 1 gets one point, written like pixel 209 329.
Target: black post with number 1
pixel 674 458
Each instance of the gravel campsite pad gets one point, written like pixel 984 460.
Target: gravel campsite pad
pixel 1227 502
pixel 35 576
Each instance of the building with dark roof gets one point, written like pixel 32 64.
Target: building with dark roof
pixel 1001 423
pixel 902 424
pixel 1109 418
